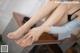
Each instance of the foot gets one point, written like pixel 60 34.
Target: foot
pixel 32 36
pixel 20 31
pixel 14 35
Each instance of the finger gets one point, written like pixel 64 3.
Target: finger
pixel 33 38
pixel 27 42
pixel 30 41
pixel 19 41
pixel 28 37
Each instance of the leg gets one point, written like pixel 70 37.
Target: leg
pixel 34 19
pixel 34 34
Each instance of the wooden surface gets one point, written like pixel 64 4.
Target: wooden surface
pixel 47 39
pixel 51 39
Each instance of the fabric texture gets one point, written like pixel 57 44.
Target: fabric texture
pixel 65 30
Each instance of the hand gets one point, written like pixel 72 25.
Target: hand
pixel 32 36
pixel 35 33
pixel 23 42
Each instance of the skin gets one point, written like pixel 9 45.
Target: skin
pixel 32 36
pixel 34 19
pixel 29 38
pixel 47 29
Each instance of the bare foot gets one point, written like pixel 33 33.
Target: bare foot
pixel 16 34
pixel 20 31
pixel 32 36
pixel 13 35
